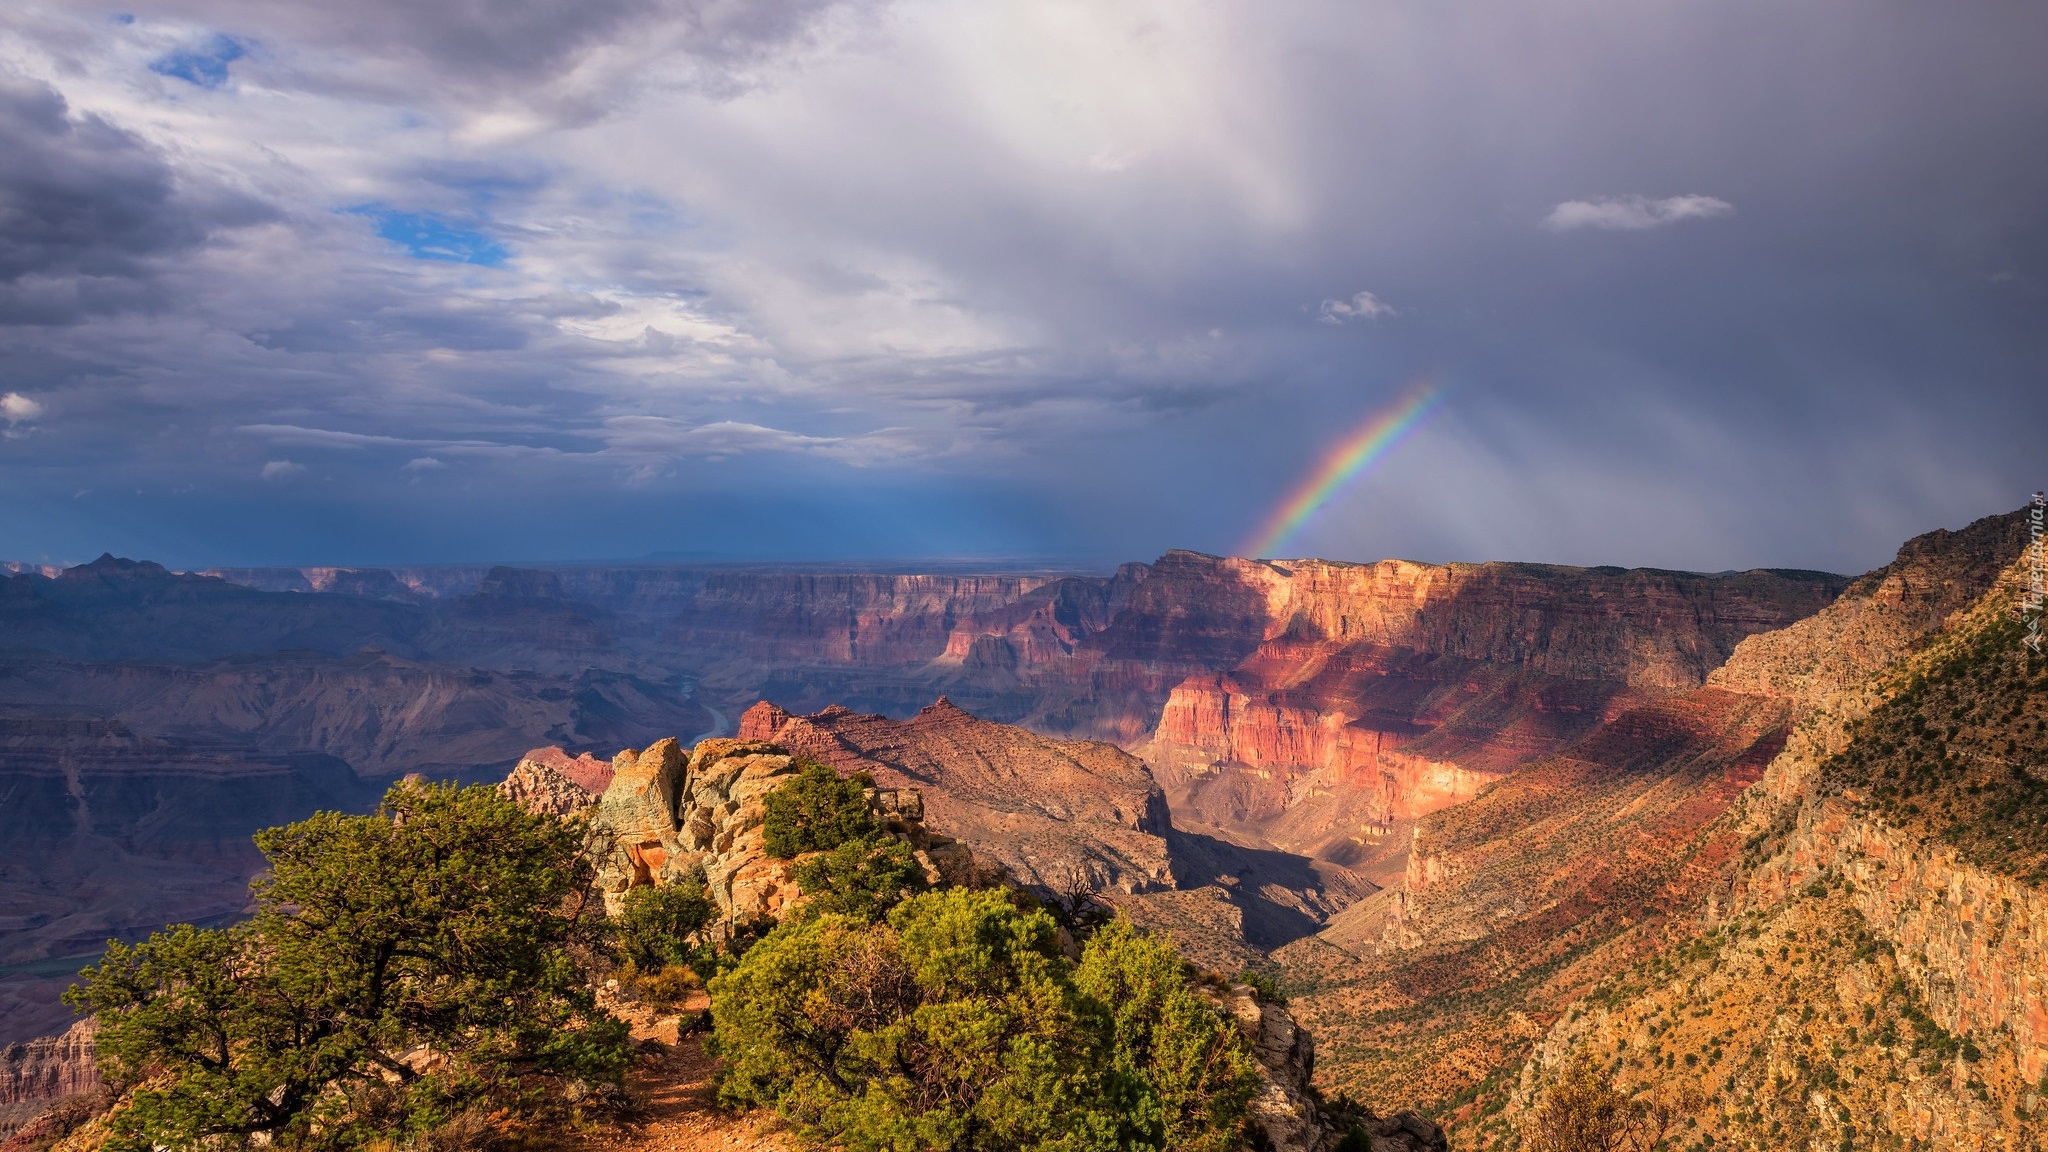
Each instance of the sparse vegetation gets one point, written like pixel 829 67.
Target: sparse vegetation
pixel 1956 754
pixel 1583 1111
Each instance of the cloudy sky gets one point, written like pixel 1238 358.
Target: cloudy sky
pixel 1702 283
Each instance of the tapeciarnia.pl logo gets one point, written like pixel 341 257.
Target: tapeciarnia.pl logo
pixel 2037 572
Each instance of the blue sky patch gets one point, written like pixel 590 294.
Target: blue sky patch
pixel 205 65
pixel 425 236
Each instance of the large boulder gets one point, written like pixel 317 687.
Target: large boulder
pixel 541 787
pixel 669 817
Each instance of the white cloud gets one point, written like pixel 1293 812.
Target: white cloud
pixel 723 439
pixel 1361 306
pixel 422 464
pixel 17 408
pixel 293 434
pixel 1633 213
pixel 279 469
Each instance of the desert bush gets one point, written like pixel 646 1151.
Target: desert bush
pixel 1583 1111
pixel 664 989
pixel 1182 1070
pixel 861 878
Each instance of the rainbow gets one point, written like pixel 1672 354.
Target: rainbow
pixel 1349 458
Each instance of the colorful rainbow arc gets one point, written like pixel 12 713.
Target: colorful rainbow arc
pixel 1348 459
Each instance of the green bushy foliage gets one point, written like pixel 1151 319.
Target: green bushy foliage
pixel 449 920
pixel 1268 988
pixel 1184 1074
pixel 656 924
pixel 816 812
pixel 861 878
pixel 957 1024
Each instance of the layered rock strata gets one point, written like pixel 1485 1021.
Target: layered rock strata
pixel 1047 811
pixel 38 1073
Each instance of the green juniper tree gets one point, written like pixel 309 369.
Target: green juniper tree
pixel 816 812
pixel 401 967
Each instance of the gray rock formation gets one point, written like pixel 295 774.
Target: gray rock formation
pixel 539 787
pixel 1286 1112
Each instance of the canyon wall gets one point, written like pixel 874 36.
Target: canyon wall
pixel 1872 971
pixel 1607 856
pixel 1048 811
pixel 1317 705
pixel 1974 942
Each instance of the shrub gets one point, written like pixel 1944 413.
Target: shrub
pixel 657 923
pixel 956 1024
pixel 816 812
pixel 664 989
pixel 1584 1112
pixel 861 878
pixel 1267 987
pixel 446 921
pixel 1184 1071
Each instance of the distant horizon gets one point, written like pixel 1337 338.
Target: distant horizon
pixel 992 565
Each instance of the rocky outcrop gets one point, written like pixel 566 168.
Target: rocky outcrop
pixel 50 1066
pixel 1040 808
pixel 37 1074
pixel 539 787
pixel 670 816
pixel 1286 1113
pixel 590 773
pixel 1822 660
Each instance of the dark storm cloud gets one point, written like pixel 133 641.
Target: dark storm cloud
pixel 88 211
pixel 1705 284
pixel 78 197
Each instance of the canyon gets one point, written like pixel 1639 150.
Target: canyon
pixel 1712 875
pixel 1447 802
pixel 1291 710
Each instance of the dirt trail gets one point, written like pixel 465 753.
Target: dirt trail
pixel 673 1086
